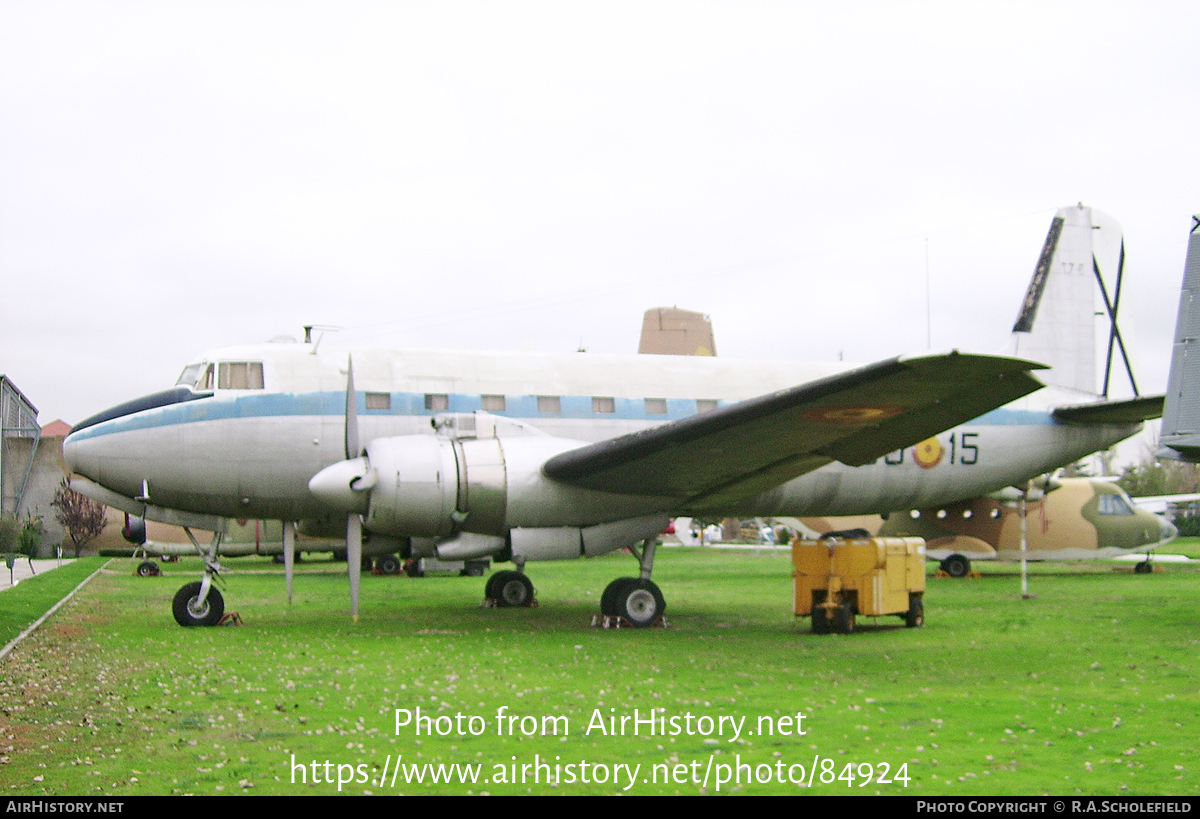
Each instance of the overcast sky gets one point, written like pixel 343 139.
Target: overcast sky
pixel 176 176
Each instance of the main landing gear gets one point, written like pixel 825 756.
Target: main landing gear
pixel 627 601
pixel 636 601
pixel 510 590
pixel 956 566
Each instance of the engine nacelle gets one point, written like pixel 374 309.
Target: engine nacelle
pixel 568 542
pixel 415 488
pixel 134 530
pixel 467 479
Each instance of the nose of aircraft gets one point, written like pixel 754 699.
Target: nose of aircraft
pixel 76 457
pixel 1166 530
pixel 69 452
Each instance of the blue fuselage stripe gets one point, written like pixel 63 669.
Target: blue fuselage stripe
pixel 412 404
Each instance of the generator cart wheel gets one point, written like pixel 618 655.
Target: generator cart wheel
pixel 916 612
pixel 844 618
pixel 820 620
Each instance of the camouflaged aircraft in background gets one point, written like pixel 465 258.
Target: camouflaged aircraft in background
pixel 1078 519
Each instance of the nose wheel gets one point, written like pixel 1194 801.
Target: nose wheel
pixel 194 608
pixel 200 603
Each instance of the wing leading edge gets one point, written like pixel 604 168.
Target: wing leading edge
pixel 854 417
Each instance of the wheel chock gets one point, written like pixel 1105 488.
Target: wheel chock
pixel 230 618
pixel 493 603
pixel 617 621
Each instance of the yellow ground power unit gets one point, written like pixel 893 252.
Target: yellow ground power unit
pixel 837 579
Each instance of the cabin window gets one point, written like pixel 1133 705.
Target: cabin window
pixel 604 404
pixel 379 401
pixel 549 404
pixel 656 406
pixel 240 375
pixel 493 403
pixel 705 405
pixel 437 402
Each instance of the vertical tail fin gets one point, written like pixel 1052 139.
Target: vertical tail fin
pixel 1181 414
pixel 1060 322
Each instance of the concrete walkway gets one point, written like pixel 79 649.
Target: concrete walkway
pixel 20 570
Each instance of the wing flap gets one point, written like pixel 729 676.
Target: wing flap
pixel 854 417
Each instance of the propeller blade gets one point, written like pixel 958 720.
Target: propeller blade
pixel 352 447
pixel 354 558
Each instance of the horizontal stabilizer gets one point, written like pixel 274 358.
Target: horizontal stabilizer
pixel 854 417
pixel 1131 411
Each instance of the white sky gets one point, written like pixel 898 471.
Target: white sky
pixel 176 176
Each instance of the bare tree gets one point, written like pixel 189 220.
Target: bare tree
pixel 83 518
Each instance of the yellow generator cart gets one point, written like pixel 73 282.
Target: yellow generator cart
pixel 837 579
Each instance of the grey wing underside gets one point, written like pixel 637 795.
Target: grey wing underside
pixel 854 417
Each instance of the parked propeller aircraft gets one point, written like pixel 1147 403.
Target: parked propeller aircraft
pixel 1077 519
pixel 527 458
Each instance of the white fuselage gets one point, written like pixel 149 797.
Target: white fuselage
pixel 250 449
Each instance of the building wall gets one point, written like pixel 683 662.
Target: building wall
pixel 47 473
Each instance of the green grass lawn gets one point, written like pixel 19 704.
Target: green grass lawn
pixel 1088 688
pixel 1188 546
pixel 24 603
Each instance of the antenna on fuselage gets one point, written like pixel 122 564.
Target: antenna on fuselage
pixel 308 328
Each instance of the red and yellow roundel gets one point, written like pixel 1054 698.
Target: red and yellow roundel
pixel 928 453
pixel 852 416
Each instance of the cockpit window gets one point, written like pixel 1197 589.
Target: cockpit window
pixel 1114 505
pixel 196 376
pixel 240 375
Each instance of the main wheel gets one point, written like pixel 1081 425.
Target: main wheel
pixel 1143 568
pixel 389 564
pixel 510 589
pixel 843 617
pixel 820 620
pixel 638 601
pixel 613 591
pixel 956 566
pixel 147 569
pixel 916 612
pixel 189 611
